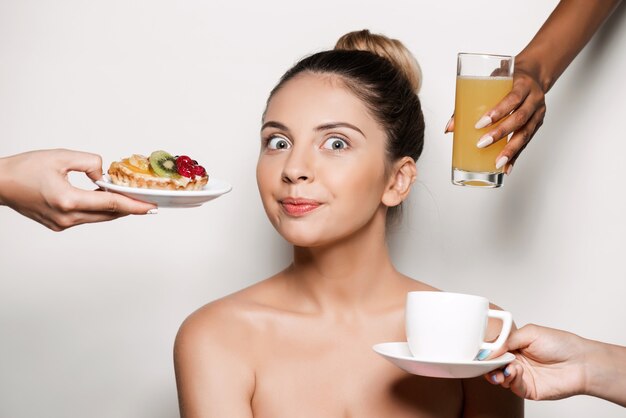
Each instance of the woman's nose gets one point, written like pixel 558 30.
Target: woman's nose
pixel 297 167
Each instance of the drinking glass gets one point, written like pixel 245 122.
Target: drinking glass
pixel 482 80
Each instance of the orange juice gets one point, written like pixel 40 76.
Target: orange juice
pixel 474 97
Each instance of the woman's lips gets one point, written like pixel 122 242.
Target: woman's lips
pixel 298 207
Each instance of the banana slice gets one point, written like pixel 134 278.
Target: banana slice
pixel 139 161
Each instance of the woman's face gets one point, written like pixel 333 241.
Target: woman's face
pixel 321 171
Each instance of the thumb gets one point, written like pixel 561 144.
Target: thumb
pixel 519 339
pixel 88 163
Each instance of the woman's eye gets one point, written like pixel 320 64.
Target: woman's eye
pixel 335 144
pixel 278 142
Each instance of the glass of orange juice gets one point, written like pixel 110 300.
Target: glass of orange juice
pixel 482 80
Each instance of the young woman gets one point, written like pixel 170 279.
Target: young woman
pixel 340 137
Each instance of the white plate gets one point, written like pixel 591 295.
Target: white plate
pixel 399 354
pixel 170 198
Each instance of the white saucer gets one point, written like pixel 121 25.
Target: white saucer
pixel 170 198
pixel 399 354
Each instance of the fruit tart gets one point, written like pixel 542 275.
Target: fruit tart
pixel 159 171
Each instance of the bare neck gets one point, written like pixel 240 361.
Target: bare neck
pixel 352 274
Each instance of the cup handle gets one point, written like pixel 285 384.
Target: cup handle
pixel 507 323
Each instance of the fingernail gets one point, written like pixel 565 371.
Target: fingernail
pixel 494 378
pixel 445 131
pixel 152 211
pixel 501 162
pixel 509 170
pixel 484 141
pixel 484 121
pixel 506 372
pixel 483 354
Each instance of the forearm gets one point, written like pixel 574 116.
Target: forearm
pixel 605 370
pixel 12 184
pixel 4 180
pixel 564 34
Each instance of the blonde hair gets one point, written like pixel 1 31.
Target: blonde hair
pixel 391 49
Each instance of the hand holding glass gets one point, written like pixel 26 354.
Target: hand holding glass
pixel 482 81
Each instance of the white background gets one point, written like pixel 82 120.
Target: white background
pixel 88 316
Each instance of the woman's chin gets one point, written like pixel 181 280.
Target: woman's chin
pixel 304 239
pixel 304 243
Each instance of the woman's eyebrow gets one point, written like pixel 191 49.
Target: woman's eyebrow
pixel 334 125
pixel 273 124
pixel 324 127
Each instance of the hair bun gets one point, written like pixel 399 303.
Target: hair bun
pixel 391 49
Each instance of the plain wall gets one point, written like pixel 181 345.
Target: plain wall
pixel 88 316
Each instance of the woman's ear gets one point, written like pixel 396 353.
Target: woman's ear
pixel 402 177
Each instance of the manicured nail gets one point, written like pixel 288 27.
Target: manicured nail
pixel 152 211
pixel 484 141
pixel 445 131
pixel 509 170
pixel 494 378
pixel 506 372
pixel 501 162
pixel 484 121
pixel 483 354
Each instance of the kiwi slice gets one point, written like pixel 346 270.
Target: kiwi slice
pixel 163 164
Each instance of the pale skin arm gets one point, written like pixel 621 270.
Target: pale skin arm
pixel 564 34
pixel 212 377
pixel 35 184
pixel 554 364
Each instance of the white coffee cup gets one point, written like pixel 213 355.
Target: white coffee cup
pixel 450 327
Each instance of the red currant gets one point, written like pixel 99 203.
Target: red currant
pixel 199 171
pixel 185 171
pixel 183 160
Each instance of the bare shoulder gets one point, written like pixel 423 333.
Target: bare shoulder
pixel 227 322
pixel 215 356
pixel 413 285
pixel 213 338
pixel 213 325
